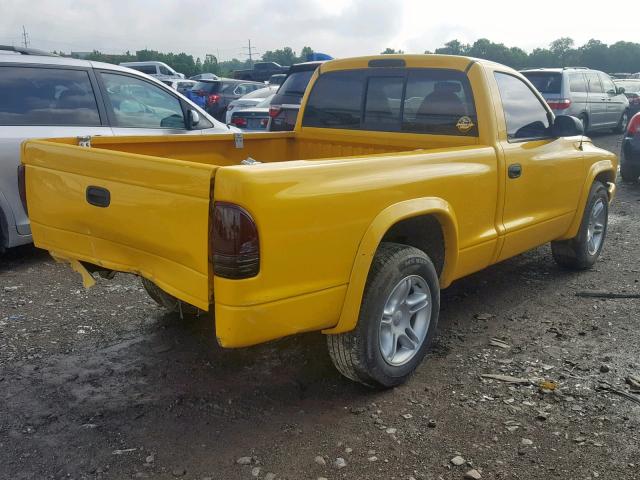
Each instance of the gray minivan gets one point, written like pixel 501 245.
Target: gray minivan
pixel 587 94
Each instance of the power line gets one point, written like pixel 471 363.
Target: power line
pixel 25 37
pixel 250 52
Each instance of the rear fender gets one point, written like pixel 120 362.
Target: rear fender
pixel 372 237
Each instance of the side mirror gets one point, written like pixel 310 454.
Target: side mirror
pixel 567 126
pixel 620 90
pixel 193 119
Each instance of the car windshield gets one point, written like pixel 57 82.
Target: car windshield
pixel 629 87
pixel 296 83
pixel 545 82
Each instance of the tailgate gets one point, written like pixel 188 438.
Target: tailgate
pixel 127 212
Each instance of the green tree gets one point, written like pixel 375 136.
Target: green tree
pixel 282 56
pixel 391 51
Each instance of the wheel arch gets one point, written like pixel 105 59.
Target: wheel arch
pixel 603 171
pixel 393 224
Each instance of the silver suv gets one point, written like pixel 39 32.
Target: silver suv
pixel 587 94
pixel 48 96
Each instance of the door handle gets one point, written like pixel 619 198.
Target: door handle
pixel 515 170
pixel 98 196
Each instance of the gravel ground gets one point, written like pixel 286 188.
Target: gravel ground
pixel 102 384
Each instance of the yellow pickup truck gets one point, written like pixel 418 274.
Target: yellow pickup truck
pixel 403 174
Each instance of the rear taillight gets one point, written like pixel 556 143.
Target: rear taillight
pixel 239 122
pixel 634 125
pixel 274 110
pixel 22 186
pixel 213 98
pixel 560 104
pixel 236 249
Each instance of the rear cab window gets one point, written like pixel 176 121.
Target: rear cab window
pixel 418 100
pixel 47 96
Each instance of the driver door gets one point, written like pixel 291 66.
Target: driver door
pixel 543 176
pixel 138 107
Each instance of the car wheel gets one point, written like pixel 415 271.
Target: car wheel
pixel 582 251
pixel 397 321
pixel 165 300
pixel 629 173
pixel 585 122
pixel 622 123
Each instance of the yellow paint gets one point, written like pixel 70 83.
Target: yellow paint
pixel 322 200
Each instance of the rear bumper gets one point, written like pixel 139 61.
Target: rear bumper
pixel 253 324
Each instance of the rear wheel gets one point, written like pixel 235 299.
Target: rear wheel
pixel 165 300
pixel 622 123
pixel 585 122
pixel 397 321
pixel 582 251
pixel 629 173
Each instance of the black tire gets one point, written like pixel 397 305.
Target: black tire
pixel 585 122
pixel 357 354
pixel 629 173
pixel 167 301
pixel 574 253
pixel 622 123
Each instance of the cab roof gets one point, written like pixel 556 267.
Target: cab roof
pixel 454 62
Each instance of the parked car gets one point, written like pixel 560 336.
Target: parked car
pixel 215 95
pixel 51 96
pixel 181 86
pixel 286 103
pixel 253 119
pixel 353 223
pixel 205 76
pixel 159 70
pixel 277 79
pixel 587 94
pixel 632 92
pixel 630 152
pixel 249 100
pixel 261 71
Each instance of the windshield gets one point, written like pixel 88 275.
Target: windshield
pixel 296 83
pixel 629 86
pixel 545 82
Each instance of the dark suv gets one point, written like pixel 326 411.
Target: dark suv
pixel 286 102
pixel 215 95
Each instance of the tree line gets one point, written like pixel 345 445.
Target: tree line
pixel 618 57
pixel 190 65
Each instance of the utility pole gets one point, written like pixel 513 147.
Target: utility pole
pixel 250 53
pixel 25 37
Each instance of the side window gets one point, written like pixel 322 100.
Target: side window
pixel 525 115
pixel 47 96
pixel 577 83
pixel 439 102
pixel 593 82
pixel 140 104
pixel 335 101
pixel 607 84
pixel 383 102
pixel 164 70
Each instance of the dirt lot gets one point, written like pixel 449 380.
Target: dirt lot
pixel 102 384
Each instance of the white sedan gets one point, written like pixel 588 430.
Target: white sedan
pixel 249 100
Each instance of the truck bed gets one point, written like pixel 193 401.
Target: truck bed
pixel 161 188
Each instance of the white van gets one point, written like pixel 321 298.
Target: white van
pixel 160 70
